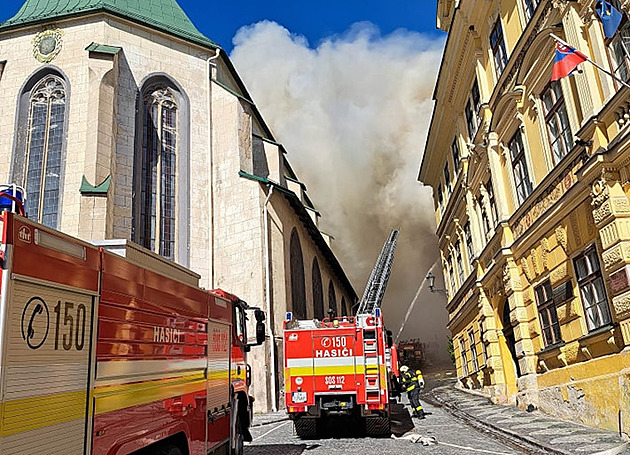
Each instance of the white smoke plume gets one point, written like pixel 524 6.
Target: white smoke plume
pixel 353 114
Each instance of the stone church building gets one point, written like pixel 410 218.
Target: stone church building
pixel 123 123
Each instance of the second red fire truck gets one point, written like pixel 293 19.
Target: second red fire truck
pixel 108 355
pixel 343 366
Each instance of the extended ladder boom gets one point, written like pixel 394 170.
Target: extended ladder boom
pixel 376 285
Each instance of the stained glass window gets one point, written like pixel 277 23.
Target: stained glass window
pixel 45 141
pixel 157 216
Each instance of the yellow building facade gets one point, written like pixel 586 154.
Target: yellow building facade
pixel 531 183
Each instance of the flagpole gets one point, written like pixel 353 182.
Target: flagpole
pixel 617 78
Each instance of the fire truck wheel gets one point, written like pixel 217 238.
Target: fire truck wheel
pixel 238 430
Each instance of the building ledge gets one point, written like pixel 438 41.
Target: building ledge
pixel 601 334
pixel 551 350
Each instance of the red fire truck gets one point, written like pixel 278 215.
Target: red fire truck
pixel 106 355
pixel 343 366
pixel 337 367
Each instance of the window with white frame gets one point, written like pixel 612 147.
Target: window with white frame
pixel 473 350
pixel 472 110
pixel 451 274
pixel 530 7
pixel 592 290
pixel 455 153
pixel 460 264
pixel 463 355
pixel 46 126
pixel 492 203
pixel 519 168
pixel 485 221
pixel 497 44
pixel 557 120
pixel 447 179
pixel 484 346
pixel 619 49
pixel 469 242
pixel 547 314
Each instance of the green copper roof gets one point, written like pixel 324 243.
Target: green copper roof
pixel 165 15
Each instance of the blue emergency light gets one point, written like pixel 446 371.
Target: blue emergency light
pixel 289 316
pixel 11 198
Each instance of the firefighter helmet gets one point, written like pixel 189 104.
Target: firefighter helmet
pixel 404 369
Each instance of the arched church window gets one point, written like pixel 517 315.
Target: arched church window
pixel 158 181
pixel 332 300
pixel 44 144
pixel 318 292
pixel 298 291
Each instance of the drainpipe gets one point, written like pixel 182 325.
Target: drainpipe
pixel 272 371
pixel 210 64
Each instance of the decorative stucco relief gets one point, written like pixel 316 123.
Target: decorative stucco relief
pixel 544 248
pixel 599 192
pixel 590 224
pixel 609 234
pixel 575 229
pixel 612 256
pixel 561 237
pixel 536 261
pixel 526 270
pixel 621 305
pixel 602 211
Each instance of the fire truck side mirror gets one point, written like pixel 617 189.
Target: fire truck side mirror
pixel 260 332
pixel 258 326
pixel 259 315
pixel 390 339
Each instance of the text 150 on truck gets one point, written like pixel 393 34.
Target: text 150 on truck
pixel 108 355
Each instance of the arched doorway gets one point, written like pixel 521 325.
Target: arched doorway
pixel 298 291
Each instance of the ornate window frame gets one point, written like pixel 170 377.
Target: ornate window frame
pixel 40 84
pixel 162 89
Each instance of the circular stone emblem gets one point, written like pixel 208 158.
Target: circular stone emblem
pixel 47 45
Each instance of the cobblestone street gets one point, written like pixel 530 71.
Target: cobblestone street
pixel 461 422
pixel 453 436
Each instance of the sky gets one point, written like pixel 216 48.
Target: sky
pixel 315 20
pixel 346 87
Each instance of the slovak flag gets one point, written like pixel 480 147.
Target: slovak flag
pixel 567 59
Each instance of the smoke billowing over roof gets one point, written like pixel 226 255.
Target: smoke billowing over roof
pixel 353 114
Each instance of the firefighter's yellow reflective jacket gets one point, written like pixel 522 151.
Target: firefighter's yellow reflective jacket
pixel 411 381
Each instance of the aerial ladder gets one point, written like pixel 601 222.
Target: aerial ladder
pixel 377 283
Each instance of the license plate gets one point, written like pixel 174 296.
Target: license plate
pixel 299 397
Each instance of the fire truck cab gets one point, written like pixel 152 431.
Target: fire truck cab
pixel 112 355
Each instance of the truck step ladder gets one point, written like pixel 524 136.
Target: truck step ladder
pixel 372 369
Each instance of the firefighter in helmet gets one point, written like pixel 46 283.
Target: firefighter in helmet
pixel 412 383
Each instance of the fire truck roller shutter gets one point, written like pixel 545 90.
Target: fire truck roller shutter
pixel 219 364
pixel 46 365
